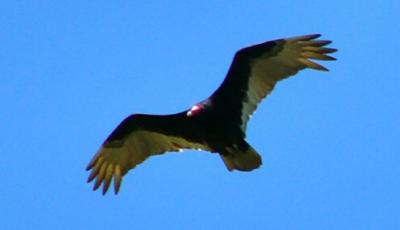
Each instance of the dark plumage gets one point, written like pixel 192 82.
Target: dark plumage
pixel 218 124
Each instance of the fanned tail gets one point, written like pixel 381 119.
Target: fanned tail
pixel 242 160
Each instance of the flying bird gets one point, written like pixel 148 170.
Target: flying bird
pixel 217 124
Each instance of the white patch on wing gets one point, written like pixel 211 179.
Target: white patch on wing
pixel 259 86
pixel 155 143
pixel 249 106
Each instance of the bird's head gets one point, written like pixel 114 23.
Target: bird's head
pixel 198 108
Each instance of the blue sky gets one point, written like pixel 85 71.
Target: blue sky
pixel 70 71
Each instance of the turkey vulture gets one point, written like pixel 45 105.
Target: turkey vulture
pixel 217 124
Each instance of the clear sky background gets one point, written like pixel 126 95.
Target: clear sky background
pixel 70 71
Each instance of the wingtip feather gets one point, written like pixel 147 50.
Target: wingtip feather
pixel 318 56
pixel 100 177
pixel 307 37
pixel 117 179
pixel 92 175
pixel 95 167
pixel 312 65
pixel 108 178
pixel 91 164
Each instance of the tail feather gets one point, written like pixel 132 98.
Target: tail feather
pixel 242 160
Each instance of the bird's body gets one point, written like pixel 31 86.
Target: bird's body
pixel 217 124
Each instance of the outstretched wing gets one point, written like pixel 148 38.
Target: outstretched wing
pixel 137 138
pixel 256 69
